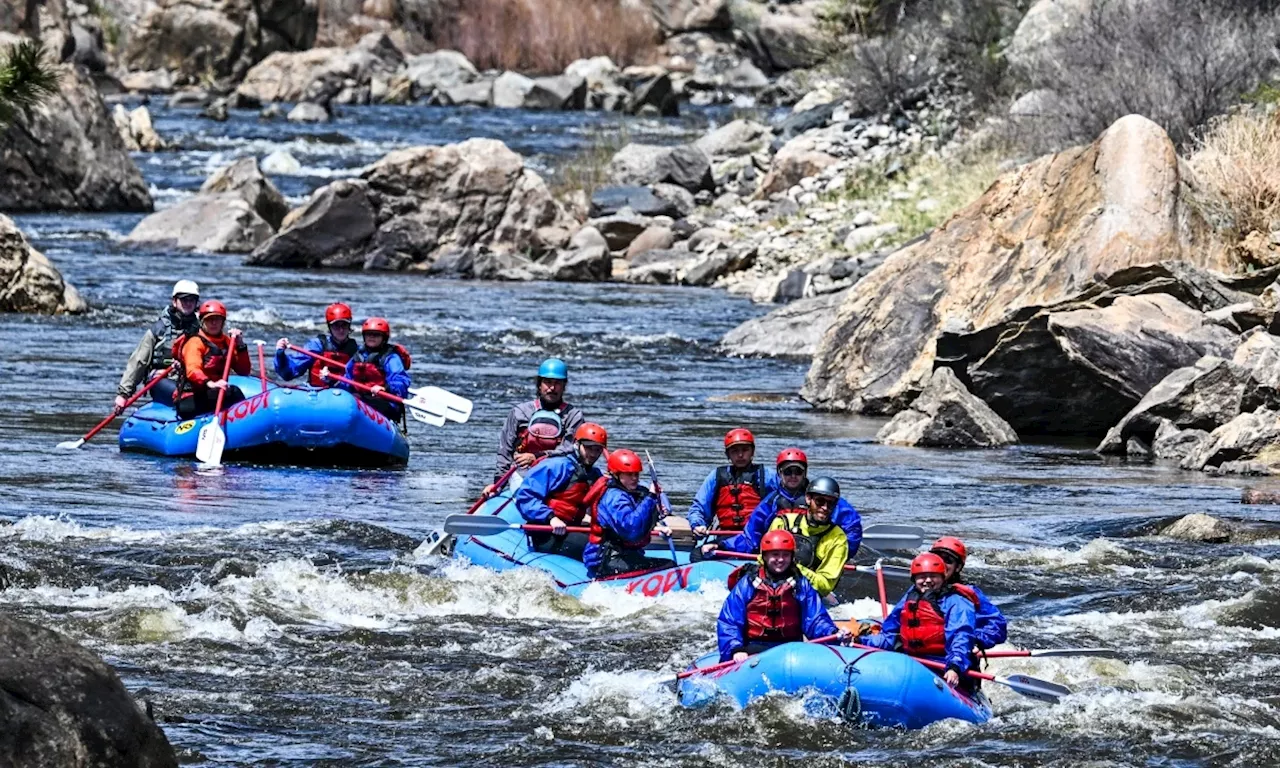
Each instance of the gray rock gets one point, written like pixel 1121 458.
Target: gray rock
pixel 640 164
pixel 606 201
pixel 792 41
pixel 63 706
pixel 190 98
pixel 946 415
pixel 510 90
pixel 1199 527
pixel 1250 437
pixel 562 92
pixel 653 238
pixel 678 199
pixel 309 112
pixel 863 237
pixel 332 229
pixel 1136 448
pixel 599 72
pixel 1175 444
pixel 245 179
pixel 737 138
pixel 676 16
pixel 154 81
pixel 790 331
pixel 477 94
pixel 29 282
pixel 439 70
pixel 343 75
pixel 583 265
pixel 213 223
pixel 216 111
pixel 587 237
pixel 621 228
pixel 656 95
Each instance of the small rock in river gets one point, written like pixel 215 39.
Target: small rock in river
pixel 1199 527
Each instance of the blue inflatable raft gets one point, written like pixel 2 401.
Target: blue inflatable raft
pixel 297 426
pixel 510 549
pixel 874 688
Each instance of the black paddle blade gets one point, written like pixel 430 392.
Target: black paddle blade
pixel 475 525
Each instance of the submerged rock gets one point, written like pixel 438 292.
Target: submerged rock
pixel 28 280
pixel 946 415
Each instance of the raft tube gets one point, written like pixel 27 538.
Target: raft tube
pixel 510 549
pixel 296 426
pixel 873 688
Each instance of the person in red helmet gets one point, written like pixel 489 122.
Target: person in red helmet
pixel 731 493
pixel 622 518
pixel 337 345
pixel 771 605
pixel 931 621
pixel 204 359
pixel 561 490
pixel 990 627
pixel 381 365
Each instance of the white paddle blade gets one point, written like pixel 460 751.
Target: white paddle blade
pixel 209 446
pixel 70 445
pixel 452 407
pixel 424 412
pixel 882 542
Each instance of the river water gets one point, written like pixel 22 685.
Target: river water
pixel 283 617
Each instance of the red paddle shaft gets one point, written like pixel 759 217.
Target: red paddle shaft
pixel 502 481
pixel 930 663
pixel 331 375
pixel 731 662
pixel 314 356
pixel 884 603
pixel 748 556
pixel 262 367
pixel 117 411
pixel 226 374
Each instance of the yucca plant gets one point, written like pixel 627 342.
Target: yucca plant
pixel 26 78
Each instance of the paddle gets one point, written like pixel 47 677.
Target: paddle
pixel 884 602
pixel 750 556
pixel 497 488
pixel 1102 653
pixel 1030 687
pixel 212 439
pixel 262 364
pixel 74 444
pixel 881 536
pixel 657 489
pixel 433 402
pixel 731 662
pixel 419 410
pixel 491 525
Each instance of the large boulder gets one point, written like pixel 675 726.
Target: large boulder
pixel 217 223
pixel 945 415
pixel 792 37
pixel 642 164
pixel 798 159
pixel 1250 442
pixel 738 137
pixel 474 199
pixel 28 280
pixel 63 706
pixel 1039 235
pixel 675 16
pixel 66 154
pixel 1040 28
pixel 320 74
pixel 245 178
pixel 222 37
pixel 792 330
pixel 439 70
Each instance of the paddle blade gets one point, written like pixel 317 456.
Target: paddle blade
pixel 893 530
pixel 476 525
pixel 209 446
pixel 1101 653
pixel 1035 688
pixel 442 401
pixel 888 541
pixel 425 412
pixel 70 445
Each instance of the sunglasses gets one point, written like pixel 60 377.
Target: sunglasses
pixel 185 297
pixel 823 502
pixel 793 472
pixel 340 324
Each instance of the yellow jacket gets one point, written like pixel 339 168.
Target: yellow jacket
pixel 831 549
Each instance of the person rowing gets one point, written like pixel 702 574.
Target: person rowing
pixel 204 360
pixel 791 495
pixel 154 352
pixel 623 516
pixel 990 628
pixel 380 365
pixel 337 345
pixel 731 493
pixel 556 492
pixel 541 427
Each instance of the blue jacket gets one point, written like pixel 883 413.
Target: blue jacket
pixel 393 371
pixel 546 477
pixel 625 517
pixel 291 365
pixel 845 516
pixel 700 513
pixel 990 626
pixel 731 627
pixel 959 617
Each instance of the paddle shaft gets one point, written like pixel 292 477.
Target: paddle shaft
pixel 1099 652
pixel 749 556
pixel 657 489
pixel 936 664
pixel 226 374
pixel 884 602
pixel 262 365
pixel 731 662
pixel 314 356
pixel 498 486
pixel 133 399
pixel 366 388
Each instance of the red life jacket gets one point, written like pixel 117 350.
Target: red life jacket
pixel 537 443
pixel 368 367
pixel 569 502
pixel 213 362
pixel 773 613
pixel 339 354
pixel 924 624
pixel 599 534
pixel 736 496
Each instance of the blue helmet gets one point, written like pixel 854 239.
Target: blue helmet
pixel 553 368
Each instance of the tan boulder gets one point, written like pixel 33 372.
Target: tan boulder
pixel 797 159
pixel 28 280
pixel 1039 235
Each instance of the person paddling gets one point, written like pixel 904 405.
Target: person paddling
pixel 154 352
pixel 520 444
pixel 337 345
pixel 790 495
pixel 382 365
pixel 771 604
pixel 731 493
pixel 990 626
pixel 931 621
pixel 622 517
pixel 204 358
pixel 556 492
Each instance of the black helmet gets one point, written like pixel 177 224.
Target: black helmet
pixel 823 486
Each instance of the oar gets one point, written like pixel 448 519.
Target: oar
pixel 657 489
pixel 876 536
pixel 1101 653
pixel 419 410
pixel 74 444
pixel 731 662
pixel 751 556
pixel 497 488
pixel 212 439
pixel 440 404
pixel 884 602
pixel 262 364
pixel 491 525
pixel 1031 687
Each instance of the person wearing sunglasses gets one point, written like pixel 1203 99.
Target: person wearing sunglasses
pixel 336 344
pixel 732 492
pixel 990 626
pixel 154 352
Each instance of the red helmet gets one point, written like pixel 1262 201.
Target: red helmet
pixel 928 563
pixel 778 541
pixel 792 456
pixel 592 433
pixel 335 312
pixel 212 308
pixel 739 436
pixel 377 325
pixel 623 460
pixel 952 546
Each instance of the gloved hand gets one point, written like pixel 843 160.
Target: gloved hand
pixel 282 344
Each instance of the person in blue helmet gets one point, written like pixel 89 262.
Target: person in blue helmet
pixel 520 446
pixel 990 628
pixel 731 493
pixel 560 491
pixel 336 344
pixel 771 604
pixel 623 515
pixel 932 621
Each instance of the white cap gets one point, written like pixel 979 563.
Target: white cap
pixel 185 287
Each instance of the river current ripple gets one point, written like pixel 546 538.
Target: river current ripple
pixel 284 617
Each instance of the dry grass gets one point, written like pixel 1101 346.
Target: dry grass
pixel 1238 161
pixel 544 36
pixel 588 168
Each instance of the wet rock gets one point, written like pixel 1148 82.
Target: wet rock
pixel 1175 444
pixel 439 70
pixel 790 331
pixel 599 72
pixel 676 16
pixel 562 92
pixel 1040 234
pixel 1249 437
pixel 66 154
pixel 946 415
pixel 802 122
pixel 640 164
pixel 657 268
pixel 152 81
pixel 281 163
pixel 330 230
pixel 309 112
pixel 320 74
pixel 217 111
pixel 1259 496
pixel 1199 527
pixel 582 265
pixel 135 129
pixel 190 98
pixel 477 94
pixel 656 96
pixel 782 287
pixel 606 201
pixel 245 179
pixel 65 707
pixel 653 238
pixel 510 89
pixel 737 138
pixel 621 229
pixel 218 223
pixel 798 159
pixel 29 282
